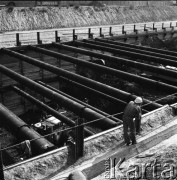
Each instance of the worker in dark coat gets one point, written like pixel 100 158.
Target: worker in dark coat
pixel 132 120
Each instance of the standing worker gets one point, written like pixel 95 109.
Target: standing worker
pixel 132 110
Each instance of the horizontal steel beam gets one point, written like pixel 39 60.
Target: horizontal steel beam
pixel 81 102
pixel 73 106
pixel 104 69
pixel 21 129
pixel 98 93
pixel 117 93
pixel 161 51
pixel 48 109
pixel 144 50
pixel 113 49
pixel 119 60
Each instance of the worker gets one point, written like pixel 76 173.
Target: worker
pixel 26 148
pixel 132 120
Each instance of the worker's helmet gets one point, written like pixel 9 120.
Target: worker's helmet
pixel 138 100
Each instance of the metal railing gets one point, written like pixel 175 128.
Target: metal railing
pixel 12 39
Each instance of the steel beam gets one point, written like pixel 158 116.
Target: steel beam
pixel 119 60
pixel 48 109
pixel 104 69
pixel 20 128
pixel 83 80
pixel 144 50
pixel 113 49
pixel 161 51
pixel 81 102
pixel 73 106
pixel 91 90
pixel 98 93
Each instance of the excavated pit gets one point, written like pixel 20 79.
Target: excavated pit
pixel 48 165
pixel 55 162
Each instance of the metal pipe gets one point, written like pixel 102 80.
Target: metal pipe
pixel 48 109
pixel 20 128
pixel 98 93
pixel 167 53
pixel 81 102
pixel 114 49
pixel 103 69
pixel 133 48
pixel 75 107
pixel 119 60
pixel 117 93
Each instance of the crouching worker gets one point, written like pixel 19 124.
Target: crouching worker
pixel 132 111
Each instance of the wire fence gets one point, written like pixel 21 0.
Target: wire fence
pixel 11 39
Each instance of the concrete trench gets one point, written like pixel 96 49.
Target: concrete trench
pixel 96 148
pixel 60 162
pixel 48 165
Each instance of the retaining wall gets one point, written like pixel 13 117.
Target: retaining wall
pixel 24 18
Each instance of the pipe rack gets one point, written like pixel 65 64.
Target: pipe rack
pixel 172 54
pixel 113 49
pixel 81 102
pixel 86 81
pixel 20 128
pixel 66 102
pixel 103 69
pixel 119 60
pixel 48 109
pixel 136 49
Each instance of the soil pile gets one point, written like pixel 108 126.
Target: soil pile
pixel 33 18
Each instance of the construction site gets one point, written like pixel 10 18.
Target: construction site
pixel 66 76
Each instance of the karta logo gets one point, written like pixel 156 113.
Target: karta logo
pixel 111 167
pixel 154 170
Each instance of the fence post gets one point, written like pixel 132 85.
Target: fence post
pixel 110 31
pixel 164 29
pixel 18 39
pixel 1 165
pixel 171 25
pixel 38 38
pixel 79 138
pixel 146 30
pixel 57 39
pixel 101 35
pixel 123 30
pixel 90 35
pixel 74 35
pixel 135 30
pixel 154 27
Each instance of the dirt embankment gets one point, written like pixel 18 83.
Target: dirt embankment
pixel 33 18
